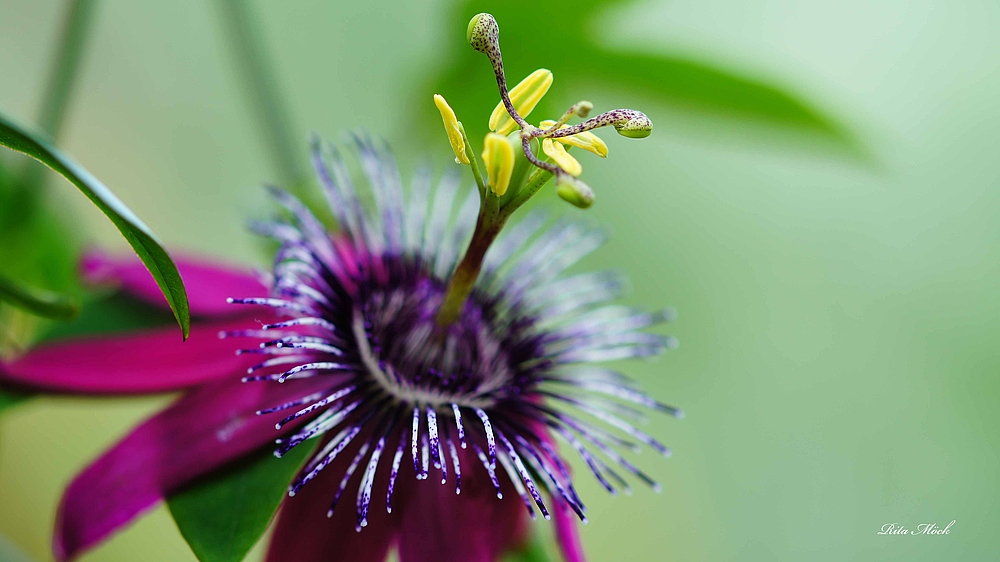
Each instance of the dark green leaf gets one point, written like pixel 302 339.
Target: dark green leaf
pixel 222 517
pixel 10 398
pixel 138 235
pixel 108 314
pixel 37 301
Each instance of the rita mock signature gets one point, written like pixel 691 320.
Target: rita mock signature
pixel 922 529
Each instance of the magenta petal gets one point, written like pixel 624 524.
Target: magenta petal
pixel 208 284
pixel 199 432
pixel 153 361
pixel 303 532
pixel 475 526
pixel 566 533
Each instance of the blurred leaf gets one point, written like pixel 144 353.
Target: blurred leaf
pixel 247 48
pixel 59 87
pixel 138 235
pixel 574 54
pixel 222 516
pixel 10 398
pixel 108 314
pixel 11 553
pixel 37 301
pixel 534 551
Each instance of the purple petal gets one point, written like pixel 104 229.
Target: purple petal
pixel 198 433
pixel 474 526
pixel 566 533
pixel 154 361
pixel 208 284
pixel 304 533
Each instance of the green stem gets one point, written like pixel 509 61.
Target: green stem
pixel 474 164
pixel 492 218
pixel 58 89
pixel 248 50
pixel 488 226
pixel 37 301
pixel 536 180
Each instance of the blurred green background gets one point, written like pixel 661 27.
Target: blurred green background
pixel 836 276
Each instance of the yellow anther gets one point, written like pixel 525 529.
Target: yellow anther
pixel 499 157
pixel 525 96
pixel 558 154
pixel 586 140
pixel 453 127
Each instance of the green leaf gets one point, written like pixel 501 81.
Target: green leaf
pixel 37 301
pixel 222 517
pixel 138 235
pixel 109 314
pixel 10 398
pixel 533 551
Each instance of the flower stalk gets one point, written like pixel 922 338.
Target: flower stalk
pixel 500 196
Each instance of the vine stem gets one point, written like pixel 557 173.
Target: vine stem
pixel 58 89
pixel 243 37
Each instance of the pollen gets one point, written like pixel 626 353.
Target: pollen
pixel 524 97
pixel 498 155
pixel 558 154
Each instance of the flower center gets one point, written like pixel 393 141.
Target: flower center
pixel 407 354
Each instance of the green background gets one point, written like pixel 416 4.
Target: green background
pixel 838 316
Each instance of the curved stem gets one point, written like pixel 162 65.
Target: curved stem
pixel 247 49
pixel 59 86
pixel 464 278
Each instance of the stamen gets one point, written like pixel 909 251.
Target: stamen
pixel 347 476
pixel 524 475
pixel 414 441
pixel 490 442
pixel 338 447
pixel 458 423
pixel 396 460
pixel 304 400
pixel 283 360
pixel 328 420
pixel 489 469
pixel 541 467
pixel 432 428
pixel 275 303
pixel 324 402
pixel 424 458
pixel 585 454
pixel 320 366
pixel 368 480
pixel 561 466
pixel 457 465
pixel 518 485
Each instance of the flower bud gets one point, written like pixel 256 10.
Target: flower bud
pixel 483 32
pixel 499 158
pixel 634 125
pixel 453 127
pixel 524 97
pixel 574 191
